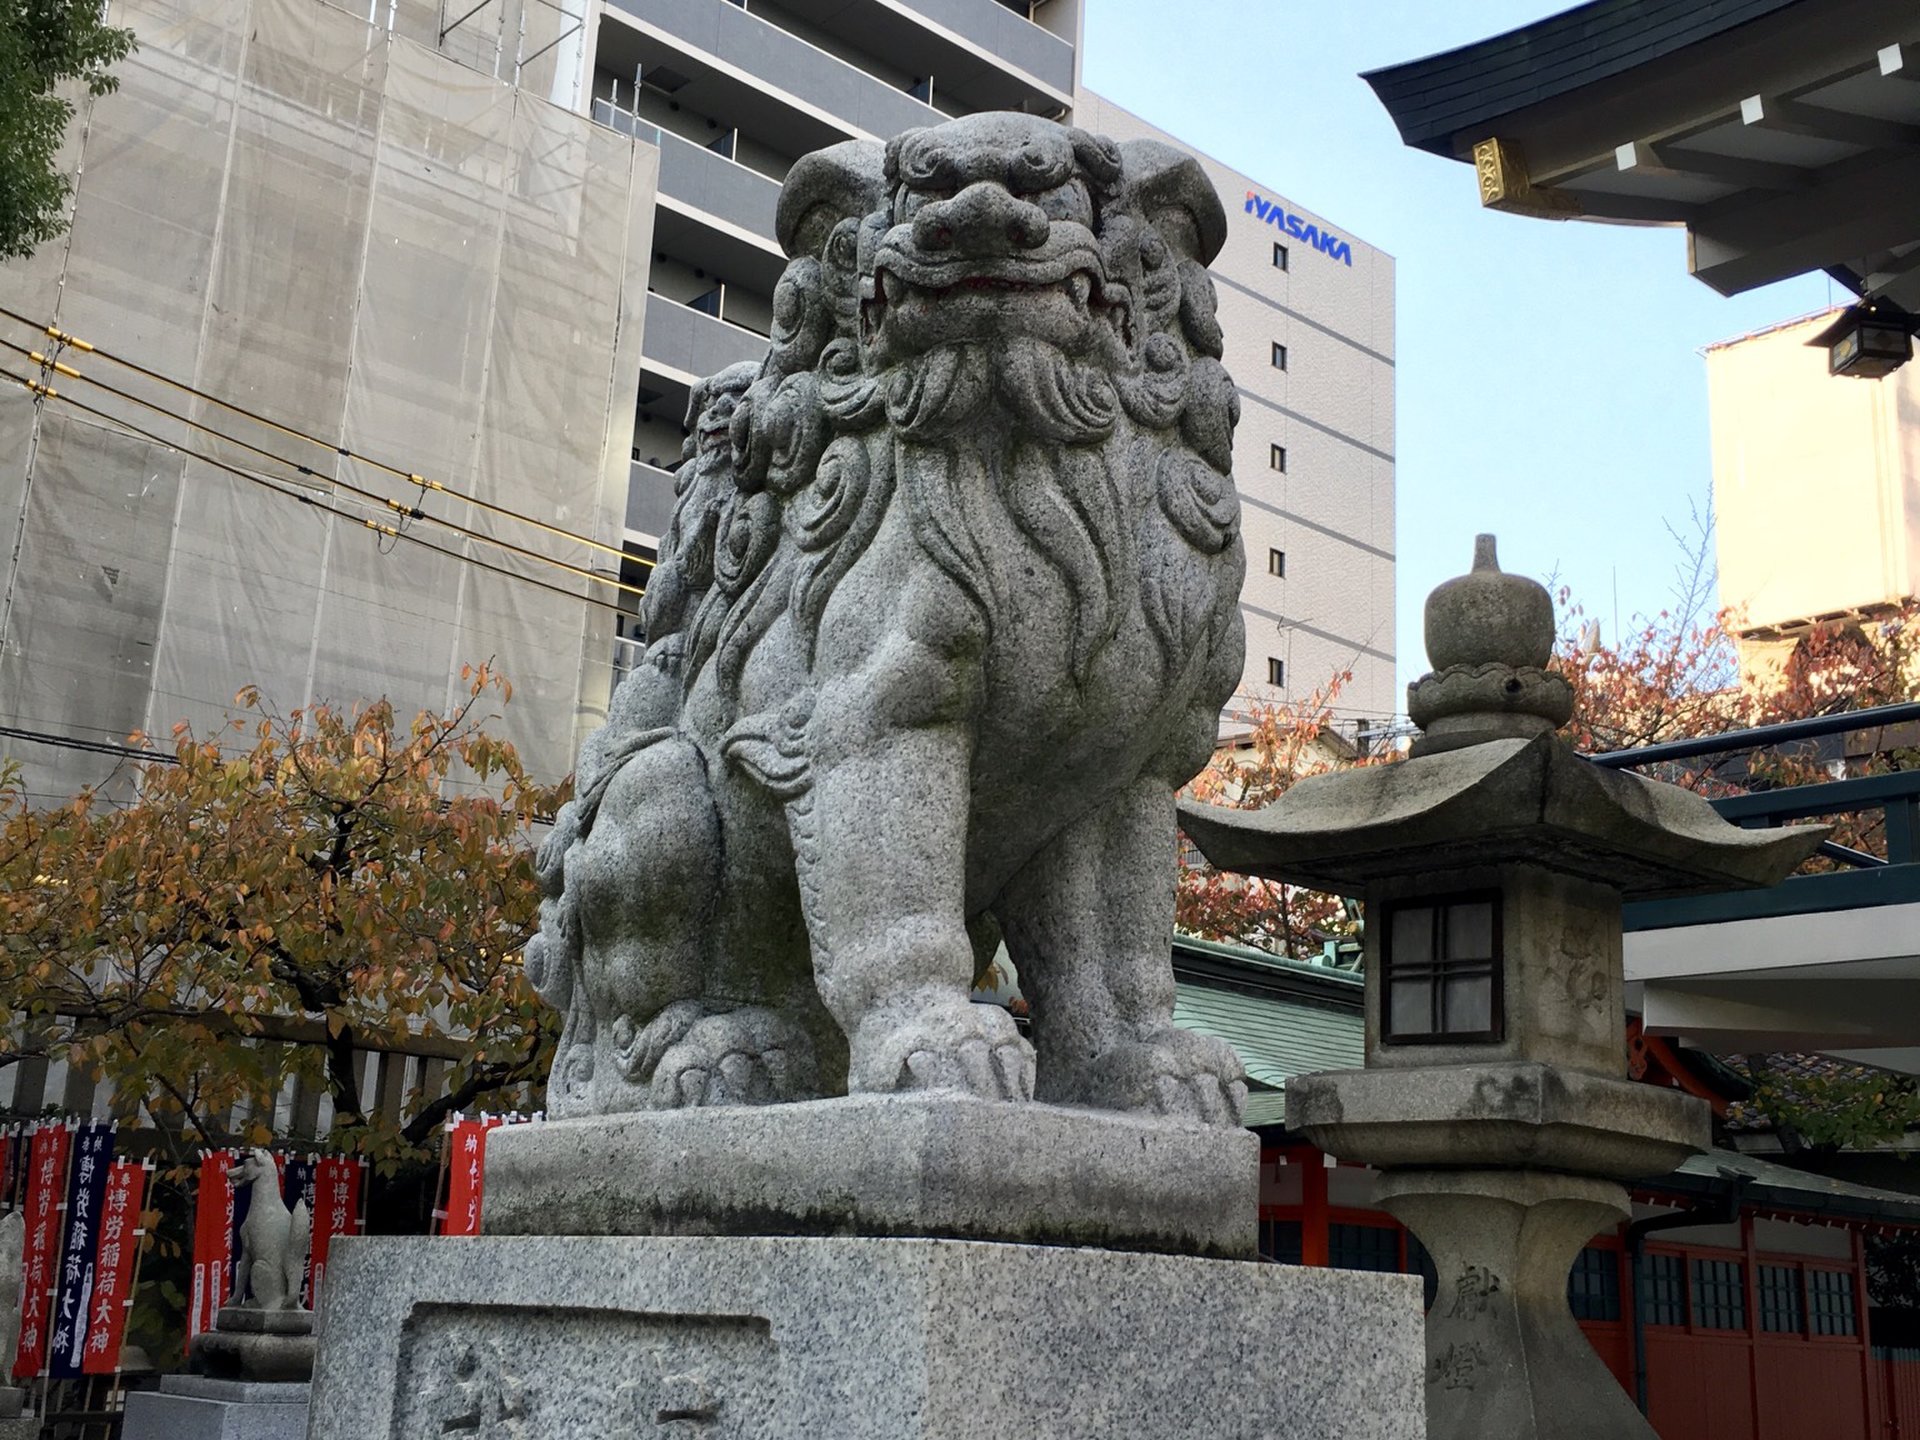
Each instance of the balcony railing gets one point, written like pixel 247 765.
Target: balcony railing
pixel 687 342
pixel 743 41
pixel 695 175
pixel 1006 33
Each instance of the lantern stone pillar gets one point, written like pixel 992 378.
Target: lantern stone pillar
pixel 1493 863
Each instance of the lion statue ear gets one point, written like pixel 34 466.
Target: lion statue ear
pixel 1171 192
pixel 824 188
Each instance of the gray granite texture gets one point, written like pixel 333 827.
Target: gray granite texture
pixel 1513 801
pixel 903 1165
pixel 946 612
pixel 274 1346
pixel 20 1428
pixel 1505 1357
pixel 13 1242
pixel 837 1339
pixel 193 1408
pixel 1499 1113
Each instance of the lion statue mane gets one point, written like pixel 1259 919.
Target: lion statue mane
pixel 945 614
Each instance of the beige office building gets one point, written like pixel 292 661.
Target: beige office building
pixel 1816 486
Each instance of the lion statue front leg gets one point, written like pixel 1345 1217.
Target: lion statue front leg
pixel 1089 924
pixel 881 839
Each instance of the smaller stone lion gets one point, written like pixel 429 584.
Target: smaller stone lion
pixel 946 613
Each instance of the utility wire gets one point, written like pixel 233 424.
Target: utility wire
pixel 60 336
pixel 48 392
pixel 405 512
pixel 92 747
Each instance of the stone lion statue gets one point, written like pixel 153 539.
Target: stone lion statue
pixel 946 612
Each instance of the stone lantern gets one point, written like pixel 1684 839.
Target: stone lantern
pixel 1494 1102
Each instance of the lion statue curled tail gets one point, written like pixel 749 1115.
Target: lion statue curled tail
pixel 946 612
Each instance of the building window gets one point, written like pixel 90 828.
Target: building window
pixel 1719 1295
pixel 1443 974
pixel 1593 1286
pixel 1663 1290
pixel 1780 1308
pixel 1364 1247
pixel 1279 356
pixel 1276 671
pixel 1279 256
pixel 1277 457
pixel 1830 1302
pixel 1280 1241
pixel 1277 563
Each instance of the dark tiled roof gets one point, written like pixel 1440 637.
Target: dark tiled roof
pixel 1466 89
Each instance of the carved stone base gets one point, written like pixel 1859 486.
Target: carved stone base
pixel 559 1338
pixel 900 1165
pixel 1504 1354
pixel 193 1407
pixel 264 1346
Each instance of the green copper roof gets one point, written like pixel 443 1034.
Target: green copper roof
pixel 1277 1037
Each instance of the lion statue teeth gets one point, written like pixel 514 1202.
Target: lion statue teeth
pixel 946 613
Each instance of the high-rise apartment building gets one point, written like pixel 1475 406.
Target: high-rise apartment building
pixel 733 93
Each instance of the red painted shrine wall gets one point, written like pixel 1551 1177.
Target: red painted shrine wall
pixel 1796 1366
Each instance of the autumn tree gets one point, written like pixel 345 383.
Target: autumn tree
pixel 279 899
pixel 1678 676
pixel 1285 741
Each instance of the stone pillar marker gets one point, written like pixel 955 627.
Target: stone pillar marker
pixel 945 615
pixel 1493 863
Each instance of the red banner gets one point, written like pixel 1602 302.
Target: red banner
pixel 466 1173
pixel 114 1265
pixel 336 1211
pixel 46 1191
pixel 212 1241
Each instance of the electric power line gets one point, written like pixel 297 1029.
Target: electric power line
pixel 92 747
pixel 406 513
pixel 412 477
pixel 48 392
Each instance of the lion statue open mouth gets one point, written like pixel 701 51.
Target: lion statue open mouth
pixel 946 612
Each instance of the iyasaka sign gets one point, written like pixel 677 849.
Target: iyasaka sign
pixel 1305 231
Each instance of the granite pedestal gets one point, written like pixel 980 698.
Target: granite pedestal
pixel 726 1338
pixel 198 1407
pixel 941 1166
pixel 15 1423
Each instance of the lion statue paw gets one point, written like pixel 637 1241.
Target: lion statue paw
pixel 951 1045
pixel 748 1056
pixel 1178 1073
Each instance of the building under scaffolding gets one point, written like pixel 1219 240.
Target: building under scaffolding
pixel 365 329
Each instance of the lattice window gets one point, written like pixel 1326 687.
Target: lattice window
pixel 1830 1302
pixel 1443 971
pixel 1719 1295
pixel 1663 1290
pixel 1781 1310
pixel 1593 1286
pixel 1363 1247
pixel 1280 1241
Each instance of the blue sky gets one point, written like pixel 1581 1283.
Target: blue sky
pixel 1550 386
